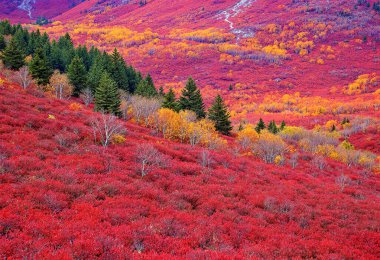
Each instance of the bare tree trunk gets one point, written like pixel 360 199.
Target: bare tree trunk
pixel 105 127
pixel 23 77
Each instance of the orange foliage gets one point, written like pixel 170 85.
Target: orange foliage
pixel 361 84
pixel 75 106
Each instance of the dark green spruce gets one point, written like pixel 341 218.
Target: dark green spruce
pixel 146 88
pixel 107 97
pixel 94 75
pixel 170 101
pixel 272 127
pixel 40 69
pixel 260 126
pixel 118 71
pixel 13 56
pixel 191 99
pixel 218 113
pixel 77 75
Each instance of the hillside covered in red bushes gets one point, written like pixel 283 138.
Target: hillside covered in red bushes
pixel 64 196
pixel 161 129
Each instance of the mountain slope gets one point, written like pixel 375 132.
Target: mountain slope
pixel 64 196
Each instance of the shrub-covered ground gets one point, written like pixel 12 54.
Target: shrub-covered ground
pixel 64 196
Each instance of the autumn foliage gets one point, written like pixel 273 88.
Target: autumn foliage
pixel 64 195
pixel 156 183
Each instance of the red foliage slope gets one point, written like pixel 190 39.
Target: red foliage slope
pixel 63 197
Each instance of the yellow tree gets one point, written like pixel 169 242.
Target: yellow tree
pixel 61 86
pixel 169 123
pixel 187 117
pixel 247 137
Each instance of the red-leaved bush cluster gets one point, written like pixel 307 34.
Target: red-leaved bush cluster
pixel 65 196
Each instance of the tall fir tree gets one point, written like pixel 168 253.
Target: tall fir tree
pixel 77 74
pixel 118 71
pixel 260 126
pixel 218 113
pixel 82 52
pixel 107 98
pixel 65 51
pixel 282 126
pixel 22 38
pixel 94 74
pixel 134 78
pixel 146 87
pixel 13 56
pixel 93 54
pixel 34 42
pixel 62 53
pixel 170 101
pixel 191 99
pixel 40 69
pixel 55 57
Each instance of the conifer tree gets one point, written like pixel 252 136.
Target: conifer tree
pixel 107 98
pixel 272 127
pixel 150 84
pixel 77 75
pixel 133 79
pixel 260 126
pixel 218 113
pixel 55 57
pixel 82 52
pixel 282 127
pixel 191 99
pixel 44 39
pixel 2 42
pixel 40 69
pixel 146 87
pixel 34 42
pixel 93 54
pixel 5 27
pixel 94 75
pixel 170 101
pixel 13 56
pixel 22 38
pixel 65 51
pixel 118 71
pixel 62 53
